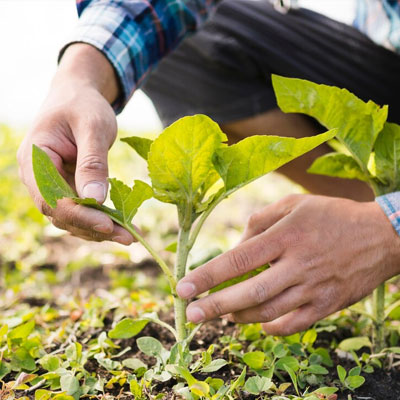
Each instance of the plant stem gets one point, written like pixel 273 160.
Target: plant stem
pixel 203 218
pixel 379 311
pixel 379 303
pixel 153 253
pixel 180 271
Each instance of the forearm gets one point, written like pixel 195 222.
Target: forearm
pixel 84 66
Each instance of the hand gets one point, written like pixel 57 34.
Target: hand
pixel 324 253
pixel 76 126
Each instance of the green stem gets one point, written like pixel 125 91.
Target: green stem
pixel 379 303
pixel 153 253
pixel 180 271
pixel 379 311
pixel 203 218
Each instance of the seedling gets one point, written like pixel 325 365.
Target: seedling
pixel 191 167
pixel 367 147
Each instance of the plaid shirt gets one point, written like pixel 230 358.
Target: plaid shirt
pixel 136 34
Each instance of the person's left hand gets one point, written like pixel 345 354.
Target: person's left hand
pixel 324 254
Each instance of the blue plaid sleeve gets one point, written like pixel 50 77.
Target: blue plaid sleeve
pixel 390 204
pixel 135 34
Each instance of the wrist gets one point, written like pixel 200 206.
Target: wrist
pixel 82 66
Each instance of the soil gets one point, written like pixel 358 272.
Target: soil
pixel 379 385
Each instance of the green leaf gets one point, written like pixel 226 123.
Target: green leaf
pixel 150 346
pixel 338 165
pixel 387 158
pixel 355 381
pixel 257 384
pixel 341 373
pixel 200 388
pixel 49 362
pixel 255 156
pixel 127 200
pixel 22 331
pixel 180 159
pixel 254 359
pixel 51 184
pixel 127 328
pixel 42 394
pixel 172 247
pixel 309 337
pixel 358 122
pixel 69 384
pixel 317 370
pixel 134 363
pixel 139 144
pixel 293 377
pixel 239 382
pixel 21 359
pixel 215 365
pixel 4 369
pixel 287 361
pixel 354 343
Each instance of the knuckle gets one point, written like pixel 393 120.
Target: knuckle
pixel 252 221
pixel 268 313
pixel 240 261
pixel 92 162
pixel 258 292
pixel 205 278
pixel 291 237
pixel 216 306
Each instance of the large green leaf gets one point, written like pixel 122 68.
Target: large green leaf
pixel 338 165
pixel 255 156
pixel 139 144
pixel 358 122
pixel 127 200
pixel 387 158
pixel 51 184
pixel 180 159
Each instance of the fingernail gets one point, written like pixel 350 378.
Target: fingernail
pixel 121 240
pixel 195 314
pixel 96 190
pixel 185 289
pixel 102 228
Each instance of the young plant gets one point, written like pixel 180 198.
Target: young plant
pixel 367 147
pixel 191 167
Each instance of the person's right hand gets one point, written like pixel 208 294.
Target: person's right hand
pixel 76 126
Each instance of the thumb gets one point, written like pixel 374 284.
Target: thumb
pixel 92 167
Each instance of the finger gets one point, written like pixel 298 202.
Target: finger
pixel 247 256
pixel 244 295
pixel 92 166
pixel 68 213
pixel 293 322
pixel 268 216
pixel 119 234
pixel 283 303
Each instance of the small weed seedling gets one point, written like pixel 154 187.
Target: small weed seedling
pixel 367 147
pixel 191 167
